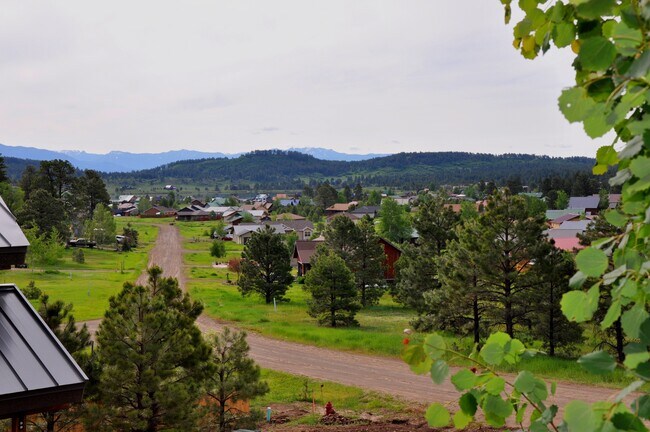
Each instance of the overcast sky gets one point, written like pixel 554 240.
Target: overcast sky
pixel 354 76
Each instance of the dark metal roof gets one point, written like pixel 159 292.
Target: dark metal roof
pixel 36 371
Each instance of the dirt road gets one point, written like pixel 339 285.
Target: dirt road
pixel 380 374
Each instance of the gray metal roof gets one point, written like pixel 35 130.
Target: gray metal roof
pixel 36 371
pixel 10 233
pixel 584 202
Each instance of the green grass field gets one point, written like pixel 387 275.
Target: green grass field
pixel 88 286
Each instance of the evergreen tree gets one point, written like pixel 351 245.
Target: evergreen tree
pixel 56 176
pixel 144 204
pixel 562 200
pixel 154 357
pixel 416 268
pixel 91 191
pixel 29 180
pixel 265 266
pixel 12 196
pixel 394 224
pixel 325 196
pixel 358 192
pixel 341 236
pixel 457 304
pixel 45 213
pixel 367 263
pixel 130 238
pixel 554 268
pixel 3 170
pixel 235 377
pixel 508 241
pixel 58 317
pixel 374 198
pixel 218 249
pixel 333 293
pixel 347 194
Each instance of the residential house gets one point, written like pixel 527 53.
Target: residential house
pixel 127 199
pixel 570 244
pixel 289 202
pixel 392 253
pixel 170 187
pixel 158 212
pixel 340 208
pixel 290 216
pixel 126 209
pixel 303 228
pixel 370 211
pixel 244 231
pixel 554 214
pixel 197 203
pixel 13 243
pixel 258 215
pixel 302 254
pixel 587 204
pixel 555 223
pixel 405 200
pixel 350 216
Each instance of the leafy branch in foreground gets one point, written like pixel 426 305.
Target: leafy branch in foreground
pixel 612 65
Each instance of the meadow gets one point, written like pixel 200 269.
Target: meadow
pixel 89 285
pixel 381 326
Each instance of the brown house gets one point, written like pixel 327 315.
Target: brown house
pixel 302 253
pixel 392 254
pixel 158 212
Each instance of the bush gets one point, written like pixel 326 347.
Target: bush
pixel 218 249
pixel 31 291
pixel 78 256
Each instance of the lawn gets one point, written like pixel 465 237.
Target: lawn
pixel 380 331
pixel 89 285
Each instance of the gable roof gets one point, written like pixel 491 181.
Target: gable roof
pixel 36 372
pixel 575 225
pixel 552 214
pixel 10 233
pixel 305 249
pixel 339 207
pixel 366 210
pixel 298 225
pixel 566 217
pixel 568 243
pixel 584 202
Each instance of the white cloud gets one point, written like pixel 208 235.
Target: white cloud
pixel 363 76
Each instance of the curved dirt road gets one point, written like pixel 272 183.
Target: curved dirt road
pixel 380 374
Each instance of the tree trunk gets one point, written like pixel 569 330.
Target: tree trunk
pixel 477 318
pixel 332 311
pixel 551 326
pixel 620 341
pixel 507 313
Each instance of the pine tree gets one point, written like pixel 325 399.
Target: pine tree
pixel 508 242
pixel 91 191
pixel 555 268
pixel 3 170
pixel 334 295
pixel 154 357
pixel 367 263
pixel 342 236
pixel 235 377
pixel 265 266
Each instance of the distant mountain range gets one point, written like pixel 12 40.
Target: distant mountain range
pixel 117 161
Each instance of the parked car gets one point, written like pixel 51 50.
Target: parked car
pixel 81 242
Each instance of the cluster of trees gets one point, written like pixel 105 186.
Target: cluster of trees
pixel 152 369
pixel 471 274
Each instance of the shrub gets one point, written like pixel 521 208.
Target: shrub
pixel 31 291
pixel 78 256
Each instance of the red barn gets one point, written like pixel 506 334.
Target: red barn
pixel 392 253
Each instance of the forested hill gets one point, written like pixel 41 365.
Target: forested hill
pixel 285 169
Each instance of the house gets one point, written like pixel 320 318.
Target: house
pixel 370 211
pixel 555 223
pixel 554 214
pixel 13 243
pixel 197 203
pixel 614 200
pixel 290 216
pixel 456 208
pixel 158 212
pixel 404 200
pixel 303 228
pixel 339 208
pixel 216 201
pixel 126 209
pixel 244 231
pixel 569 244
pixel 350 216
pixel 575 224
pixel 302 253
pixel 127 199
pixel 289 202
pixel 258 215
pixel 392 253
pixel 588 204
pixel 170 187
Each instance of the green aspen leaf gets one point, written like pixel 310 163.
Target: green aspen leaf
pixel 527 5
pixel 557 12
pixel 525 382
pixel 627 422
pixel 592 262
pixel 574 307
pixel 597 122
pixel 537 18
pixel 521 412
pixel 417 359
pixel 522 29
pixel 597 54
pixel 599 169
pixel 644 332
pixel 437 415
pixel 635 354
pixel 495 386
pixel 632 320
pixel 462 420
pixel 594 9
pixel 496 406
pixel 549 414
pixel 563 34
pixel 577 2
pixel 464 379
pixel 434 346
pixel 639 127
pixel 612 314
pixel 629 390
pixel 626 39
pixel 607 155
pixel 616 218
pixel 641 407
pixel 493 353
pixel 439 371
pixel 640 166
pixel 468 404
pixel 629 289
pixel 575 105
pixel 577 280
pixel 598 362
pixel 580 417
pixel 640 67
pixel 632 148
